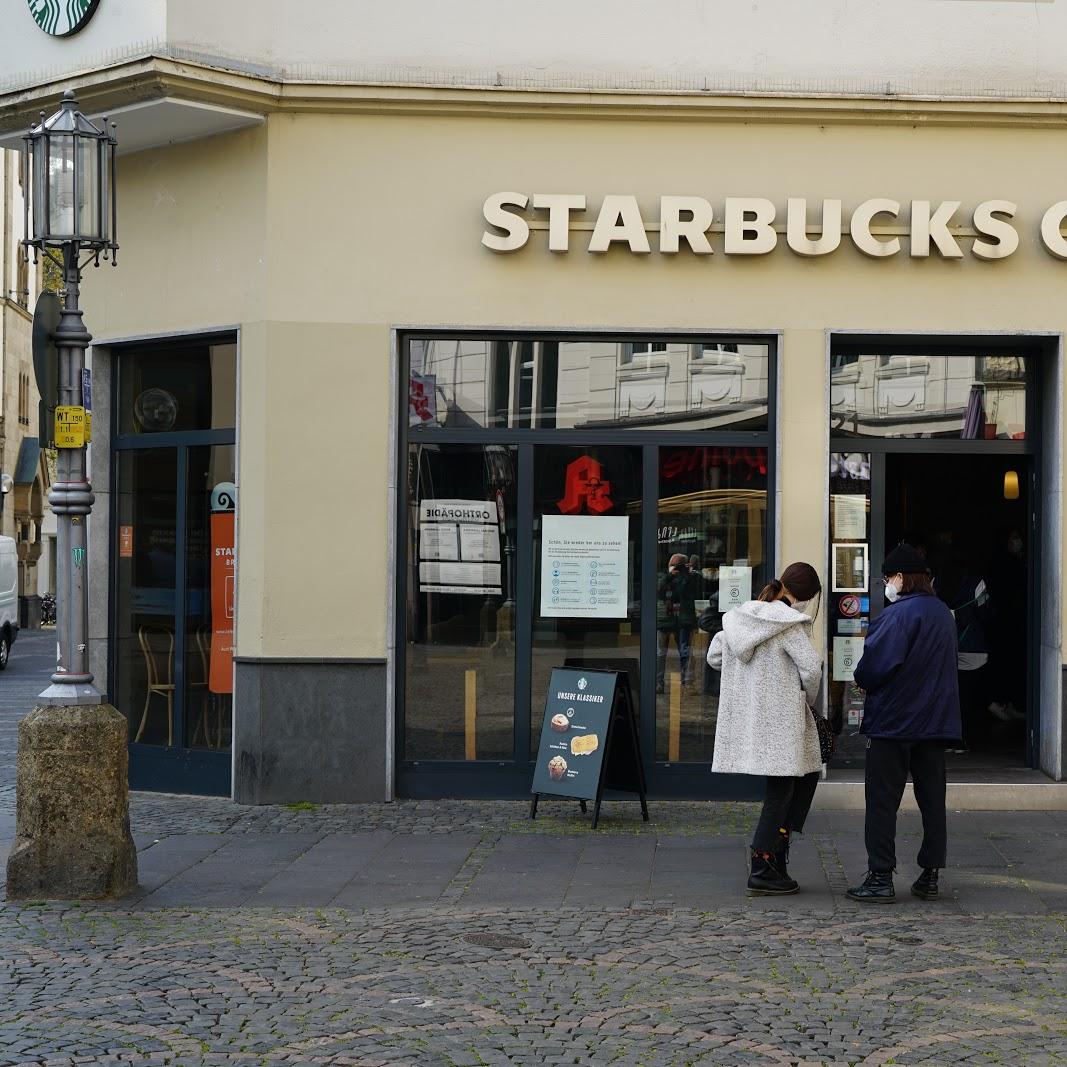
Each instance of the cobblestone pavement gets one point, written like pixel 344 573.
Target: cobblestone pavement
pixel 579 986
pixel 459 932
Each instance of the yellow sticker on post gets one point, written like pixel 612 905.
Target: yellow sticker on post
pixel 70 427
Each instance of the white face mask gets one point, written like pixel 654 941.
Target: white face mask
pixel 892 590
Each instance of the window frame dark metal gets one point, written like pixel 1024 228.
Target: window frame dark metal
pixel 511 778
pixel 1035 350
pixel 159 768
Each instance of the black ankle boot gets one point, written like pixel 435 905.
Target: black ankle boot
pixel 925 886
pixel 769 876
pixel 877 888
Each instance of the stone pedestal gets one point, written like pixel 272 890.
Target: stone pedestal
pixel 72 818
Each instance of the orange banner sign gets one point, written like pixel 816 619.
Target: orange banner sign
pixel 223 586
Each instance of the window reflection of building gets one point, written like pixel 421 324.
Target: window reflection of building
pixel 928 396
pixel 578 383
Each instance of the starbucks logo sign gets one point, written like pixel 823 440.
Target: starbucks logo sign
pixel 61 18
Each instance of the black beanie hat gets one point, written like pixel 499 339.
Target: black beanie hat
pixel 905 560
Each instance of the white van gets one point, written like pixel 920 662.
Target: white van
pixel 9 598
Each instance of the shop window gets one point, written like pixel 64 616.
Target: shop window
pixel 173 389
pixel 586 383
pixel 174 558
pixel 711 555
pixel 528 545
pixel 588 490
pixel 460 607
pixel 965 397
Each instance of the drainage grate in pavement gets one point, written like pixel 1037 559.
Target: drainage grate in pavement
pixel 497 941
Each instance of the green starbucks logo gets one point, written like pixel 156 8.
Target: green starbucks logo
pixel 61 18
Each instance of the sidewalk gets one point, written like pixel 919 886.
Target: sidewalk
pixel 208 852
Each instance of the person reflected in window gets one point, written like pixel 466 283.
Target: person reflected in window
pixel 676 595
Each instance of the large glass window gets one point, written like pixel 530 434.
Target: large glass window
pixel 538 531
pixel 178 388
pixel 586 605
pixel 966 397
pixel 587 383
pixel 460 607
pixel 146 575
pixel 711 555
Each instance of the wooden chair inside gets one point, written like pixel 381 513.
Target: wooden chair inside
pixel 157 647
pixel 207 698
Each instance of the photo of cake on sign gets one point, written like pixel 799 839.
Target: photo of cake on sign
pixel 584 744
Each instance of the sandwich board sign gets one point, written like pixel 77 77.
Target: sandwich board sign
pixel 589 740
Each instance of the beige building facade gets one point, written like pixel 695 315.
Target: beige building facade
pixel 24 500
pixel 316 258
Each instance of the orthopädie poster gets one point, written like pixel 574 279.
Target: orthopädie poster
pixel 459 547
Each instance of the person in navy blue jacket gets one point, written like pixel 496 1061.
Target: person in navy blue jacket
pixel 911 711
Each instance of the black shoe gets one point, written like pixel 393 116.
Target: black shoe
pixel 769 877
pixel 877 888
pixel 925 886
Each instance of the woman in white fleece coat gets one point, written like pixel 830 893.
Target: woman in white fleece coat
pixel 770 677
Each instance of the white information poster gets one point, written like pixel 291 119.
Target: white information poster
pixel 584 566
pixel 459 547
pixel 481 544
pixel 847 651
pixel 735 587
pixel 850 517
pixel 437 540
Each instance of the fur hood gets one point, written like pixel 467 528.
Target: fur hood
pixel 753 624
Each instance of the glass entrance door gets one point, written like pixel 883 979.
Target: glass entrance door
pixel 934 446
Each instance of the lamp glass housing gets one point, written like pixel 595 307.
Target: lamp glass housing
pixel 70 165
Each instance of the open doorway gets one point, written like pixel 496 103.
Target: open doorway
pixel 970 515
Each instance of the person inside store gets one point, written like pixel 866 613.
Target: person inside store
pixel 911 712
pixel 964 590
pixel 771 677
pixel 1006 698
pixel 676 613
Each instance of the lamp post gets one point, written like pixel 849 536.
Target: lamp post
pixel 69 174
pixel 72 822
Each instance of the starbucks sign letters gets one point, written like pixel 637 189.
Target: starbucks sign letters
pixel 751 226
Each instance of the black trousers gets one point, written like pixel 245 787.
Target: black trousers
pixel 886 774
pixel 785 806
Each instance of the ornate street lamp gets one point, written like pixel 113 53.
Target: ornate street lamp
pixel 72 814
pixel 68 174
